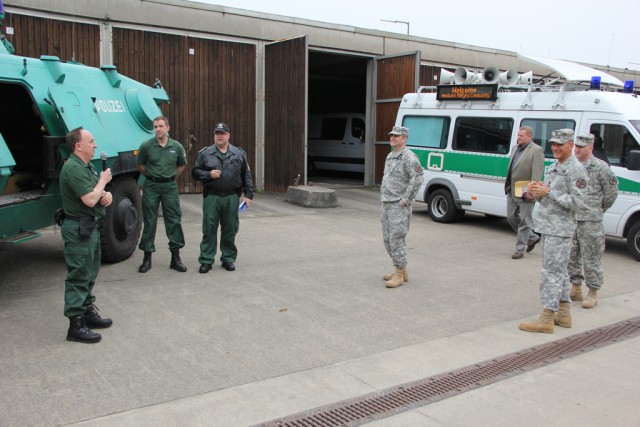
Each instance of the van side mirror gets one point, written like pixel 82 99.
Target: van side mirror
pixel 633 160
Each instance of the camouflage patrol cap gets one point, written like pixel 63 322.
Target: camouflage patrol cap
pixel 562 136
pixel 399 130
pixel 584 140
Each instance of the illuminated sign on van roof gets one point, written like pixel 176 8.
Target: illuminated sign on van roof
pixel 484 92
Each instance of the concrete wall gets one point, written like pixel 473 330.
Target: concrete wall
pixel 222 21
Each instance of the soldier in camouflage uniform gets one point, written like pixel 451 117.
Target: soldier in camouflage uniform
pixel 588 241
pixel 400 183
pixel 561 195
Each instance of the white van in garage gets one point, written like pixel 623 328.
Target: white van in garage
pixel 336 142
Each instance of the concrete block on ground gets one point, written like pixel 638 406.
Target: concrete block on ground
pixel 312 197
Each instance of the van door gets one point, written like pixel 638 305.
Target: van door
pixel 327 145
pixel 614 140
pixel 355 142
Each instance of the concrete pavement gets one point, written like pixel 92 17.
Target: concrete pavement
pixel 306 321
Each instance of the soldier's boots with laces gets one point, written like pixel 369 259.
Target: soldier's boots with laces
pixel 542 324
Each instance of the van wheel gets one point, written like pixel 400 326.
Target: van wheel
pixel 442 208
pixel 633 241
pixel 122 225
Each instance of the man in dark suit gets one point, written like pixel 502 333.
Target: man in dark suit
pixel 526 164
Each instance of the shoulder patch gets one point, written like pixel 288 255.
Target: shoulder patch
pixel 581 183
pixel 613 180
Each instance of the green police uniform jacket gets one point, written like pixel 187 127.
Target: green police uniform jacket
pixel 161 162
pixel 78 178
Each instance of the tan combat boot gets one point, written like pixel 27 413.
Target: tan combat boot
pixel 576 292
pixel 591 300
pixel 563 316
pixel 396 278
pixel 542 324
pixel 405 275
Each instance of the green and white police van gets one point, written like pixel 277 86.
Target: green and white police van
pixel 463 134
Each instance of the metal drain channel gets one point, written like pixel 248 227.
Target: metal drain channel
pixel 394 400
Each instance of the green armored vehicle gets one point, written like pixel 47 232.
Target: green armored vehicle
pixel 40 101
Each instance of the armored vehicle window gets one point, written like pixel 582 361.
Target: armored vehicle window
pixel 431 132
pixel 542 129
pixel 483 134
pixel 333 128
pixel 615 141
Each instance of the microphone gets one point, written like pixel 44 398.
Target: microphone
pixel 103 156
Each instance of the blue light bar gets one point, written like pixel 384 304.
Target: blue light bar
pixel 628 86
pixel 595 83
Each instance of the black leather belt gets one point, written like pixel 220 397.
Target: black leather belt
pixel 206 193
pixel 80 218
pixel 160 180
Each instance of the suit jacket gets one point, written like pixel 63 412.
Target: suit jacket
pixel 530 167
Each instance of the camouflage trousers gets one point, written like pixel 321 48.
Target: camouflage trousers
pixel 554 279
pixel 587 247
pixel 395 221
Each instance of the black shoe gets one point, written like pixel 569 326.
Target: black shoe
pixel 176 262
pixel 531 245
pixel 79 332
pixel 146 263
pixel 93 319
pixel 204 268
pixel 228 266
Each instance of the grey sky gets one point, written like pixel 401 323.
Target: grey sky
pixel 602 32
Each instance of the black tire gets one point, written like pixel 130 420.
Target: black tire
pixel 633 241
pixel 121 228
pixel 441 207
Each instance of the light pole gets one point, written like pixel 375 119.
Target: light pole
pixel 398 22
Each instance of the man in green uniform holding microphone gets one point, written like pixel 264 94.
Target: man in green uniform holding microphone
pixel 84 200
pixel 161 160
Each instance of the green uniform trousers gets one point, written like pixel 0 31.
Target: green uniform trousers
pixel 83 259
pixel 154 194
pixel 221 210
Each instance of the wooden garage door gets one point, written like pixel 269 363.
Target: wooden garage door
pixel 395 76
pixel 208 81
pixel 69 41
pixel 285 113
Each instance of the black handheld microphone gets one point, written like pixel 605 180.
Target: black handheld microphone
pixel 103 156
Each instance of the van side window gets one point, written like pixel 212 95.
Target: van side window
pixel 357 128
pixel 431 132
pixel 483 134
pixel 333 128
pixel 615 141
pixel 542 129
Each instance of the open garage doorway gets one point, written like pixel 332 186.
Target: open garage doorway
pixel 337 106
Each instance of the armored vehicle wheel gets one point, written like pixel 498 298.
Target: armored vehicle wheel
pixel 442 208
pixel 121 228
pixel 633 241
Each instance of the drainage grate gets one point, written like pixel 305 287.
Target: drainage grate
pixel 394 400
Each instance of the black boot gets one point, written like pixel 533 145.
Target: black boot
pixel 93 319
pixel 176 262
pixel 146 263
pixel 79 332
